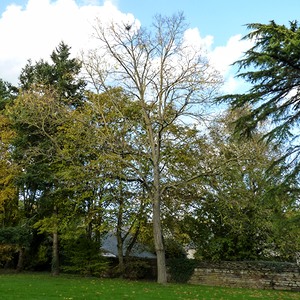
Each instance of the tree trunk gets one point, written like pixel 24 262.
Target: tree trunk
pixel 157 230
pixel 131 244
pixel 20 264
pixel 55 252
pixel 120 240
pixel 55 255
pixel 121 265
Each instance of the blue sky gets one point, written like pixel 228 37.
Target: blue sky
pixel 220 18
pixel 31 29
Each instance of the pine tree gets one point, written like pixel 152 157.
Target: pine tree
pixel 272 67
pixel 62 75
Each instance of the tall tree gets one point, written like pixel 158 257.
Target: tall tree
pixel 272 68
pixel 7 93
pixel 63 74
pixel 167 78
pixel 236 214
pixel 49 94
pixel 112 156
pixel 8 170
pixel 9 203
pixel 35 118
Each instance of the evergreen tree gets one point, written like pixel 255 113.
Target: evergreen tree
pixel 62 74
pixel 7 93
pixel 49 94
pixel 272 67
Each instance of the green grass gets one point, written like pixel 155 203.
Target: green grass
pixel 44 286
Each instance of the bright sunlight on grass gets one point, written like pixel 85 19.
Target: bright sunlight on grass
pixel 44 286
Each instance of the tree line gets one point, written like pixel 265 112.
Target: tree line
pixel 121 141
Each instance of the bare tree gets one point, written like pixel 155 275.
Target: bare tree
pixel 166 76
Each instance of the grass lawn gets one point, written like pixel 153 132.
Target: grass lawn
pixel 44 286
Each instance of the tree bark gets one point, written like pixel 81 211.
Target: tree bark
pixel 20 264
pixel 165 90
pixel 120 240
pixel 121 265
pixel 157 230
pixel 55 252
pixel 159 246
pixel 55 255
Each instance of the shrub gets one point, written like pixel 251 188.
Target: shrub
pixel 181 269
pixel 174 249
pixel 137 269
pixel 6 254
pixel 82 256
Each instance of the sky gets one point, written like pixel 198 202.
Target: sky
pixel 31 29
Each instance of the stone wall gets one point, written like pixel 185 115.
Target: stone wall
pixel 260 275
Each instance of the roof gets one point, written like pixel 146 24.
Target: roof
pixel 109 245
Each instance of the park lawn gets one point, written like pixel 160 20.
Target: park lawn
pixel 44 286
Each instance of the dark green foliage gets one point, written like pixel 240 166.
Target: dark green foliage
pixel 82 255
pixel 62 75
pixel 241 213
pixel 49 93
pixel 272 67
pixel 174 249
pixel 18 235
pixel 181 269
pixel 137 269
pixel 7 93
pixel 38 257
pixel 276 266
pixel 14 240
pixel 85 166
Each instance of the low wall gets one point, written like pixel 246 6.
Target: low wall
pixel 259 275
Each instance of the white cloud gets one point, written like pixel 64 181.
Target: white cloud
pixel 223 57
pixel 34 31
pixel 234 85
pixel 113 2
pixel 90 2
pixel 193 38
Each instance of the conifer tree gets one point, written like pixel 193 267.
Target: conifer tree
pixel 272 67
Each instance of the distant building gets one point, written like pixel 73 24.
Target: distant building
pixel 109 247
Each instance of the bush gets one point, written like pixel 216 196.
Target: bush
pixel 174 249
pixel 6 254
pixel 181 269
pixel 82 256
pixel 137 269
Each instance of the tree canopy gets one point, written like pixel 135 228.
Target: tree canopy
pixel 168 80
pixel 129 156
pixel 272 68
